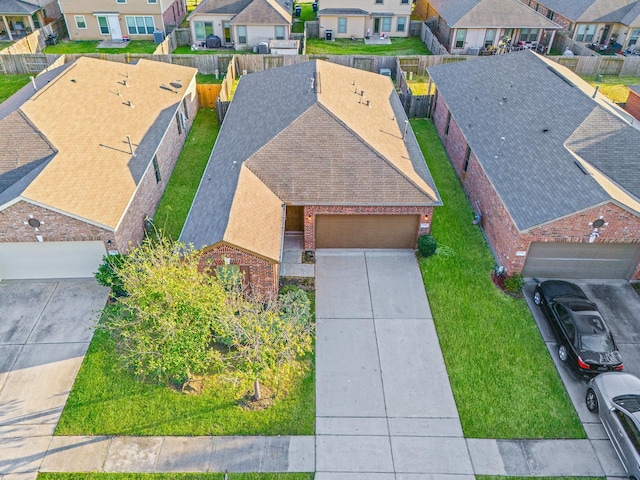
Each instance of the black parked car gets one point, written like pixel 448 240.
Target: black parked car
pixel 585 341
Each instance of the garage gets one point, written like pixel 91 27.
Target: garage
pixel 366 231
pixel 27 260
pixel 582 260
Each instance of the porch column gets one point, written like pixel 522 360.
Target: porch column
pixel 553 35
pixel 6 27
pixel 31 24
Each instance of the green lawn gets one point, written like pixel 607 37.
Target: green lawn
pixel 306 15
pixel 208 78
pixel 106 400
pixel 181 189
pixel 91 46
pixel 10 84
pixel 503 379
pixel 174 476
pixel 613 86
pixel 341 46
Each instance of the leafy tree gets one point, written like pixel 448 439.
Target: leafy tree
pixel 107 273
pixel 164 327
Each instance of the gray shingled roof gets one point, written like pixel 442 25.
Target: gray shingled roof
pixel 593 10
pixel 273 115
pixel 518 98
pixel 490 13
pixel 17 7
pixel 343 11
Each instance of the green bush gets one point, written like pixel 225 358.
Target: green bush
pixel 427 245
pixel 514 283
pixel 107 276
pixel 295 303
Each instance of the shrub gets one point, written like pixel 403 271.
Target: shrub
pixel 427 245
pixel 107 273
pixel 295 303
pixel 514 283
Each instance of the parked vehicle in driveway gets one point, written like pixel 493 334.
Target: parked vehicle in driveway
pixel 615 397
pixel 584 340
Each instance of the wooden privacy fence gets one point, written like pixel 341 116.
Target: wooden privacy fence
pixel 36 41
pixel 208 94
pixel 415 105
pixel 167 46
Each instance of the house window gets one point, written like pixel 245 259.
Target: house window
pixel 140 25
pixel 402 22
pixel 203 30
pixel 550 14
pixel 279 32
pixel 103 25
pixel 152 1
pixel 467 155
pixel 404 2
pixel 586 33
pixel 633 38
pixel 379 2
pixel 121 1
pixel 184 106
pixel 156 169
pixel 446 127
pixel 489 37
pixel 179 122
pixel 528 35
pixel 342 25
pixel 386 24
pixel 36 20
pixel 461 35
pixel 242 34
pixel 81 23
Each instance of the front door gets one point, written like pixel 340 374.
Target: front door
pixel 227 33
pixel 114 26
pixel 294 221
pixel 376 25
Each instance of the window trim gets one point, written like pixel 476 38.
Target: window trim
pixel 137 26
pixel 459 43
pixel 585 32
pixel 121 2
pixel 284 32
pixel 448 124
pixel 404 24
pixel 385 24
pixel 244 28
pixel 342 28
pixel 84 22
pixel 156 169
pixel 155 2
pixel 108 32
pixel 179 123
pixel 467 156
pixel 185 107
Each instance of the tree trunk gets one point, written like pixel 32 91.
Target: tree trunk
pixel 256 389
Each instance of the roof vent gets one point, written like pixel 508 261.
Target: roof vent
pixel 545 130
pixel 176 84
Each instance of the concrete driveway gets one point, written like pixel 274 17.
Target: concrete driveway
pixel 620 307
pixel 45 329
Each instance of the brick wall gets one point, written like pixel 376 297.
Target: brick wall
pixel 130 232
pixel 501 231
pixel 263 275
pixel 310 212
pixel 633 104
pixel 55 226
pixel 174 14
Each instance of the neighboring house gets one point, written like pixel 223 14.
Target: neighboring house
pixel 84 160
pixel 633 101
pixel 603 22
pixel 18 18
pixel 551 165
pixel 118 19
pixel 317 148
pixel 461 25
pixel 242 24
pixel 357 18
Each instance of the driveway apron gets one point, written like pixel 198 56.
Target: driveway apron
pixel 384 405
pixel 45 329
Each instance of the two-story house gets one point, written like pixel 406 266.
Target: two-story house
pixel 120 19
pixel 361 18
pixel 601 22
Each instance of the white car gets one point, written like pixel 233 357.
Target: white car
pixel 615 397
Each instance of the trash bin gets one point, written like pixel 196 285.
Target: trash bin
pixel 298 10
pixel 328 35
pixel 314 5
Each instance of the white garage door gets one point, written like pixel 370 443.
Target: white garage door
pixel 25 260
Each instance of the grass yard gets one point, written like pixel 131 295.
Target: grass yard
pixel 91 46
pixel 107 400
pixel 183 184
pixel 203 78
pixel 186 50
pixel 345 46
pixel 306 15
pixel 174 476
pixel 10 84
pixel 613 86
pixel 503 379
pixel 420 85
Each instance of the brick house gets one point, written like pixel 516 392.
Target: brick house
pixel 460 25
pixel 84 160
pixel 603 22
pixel 315 148
pixel 551 165
pixel 118 19
pixel 633 101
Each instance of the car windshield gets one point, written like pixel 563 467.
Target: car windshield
pixel 631 403
pixel 596 343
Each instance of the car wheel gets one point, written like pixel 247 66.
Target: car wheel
pixel 562 353
pixel 537 298
pixel 592 401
